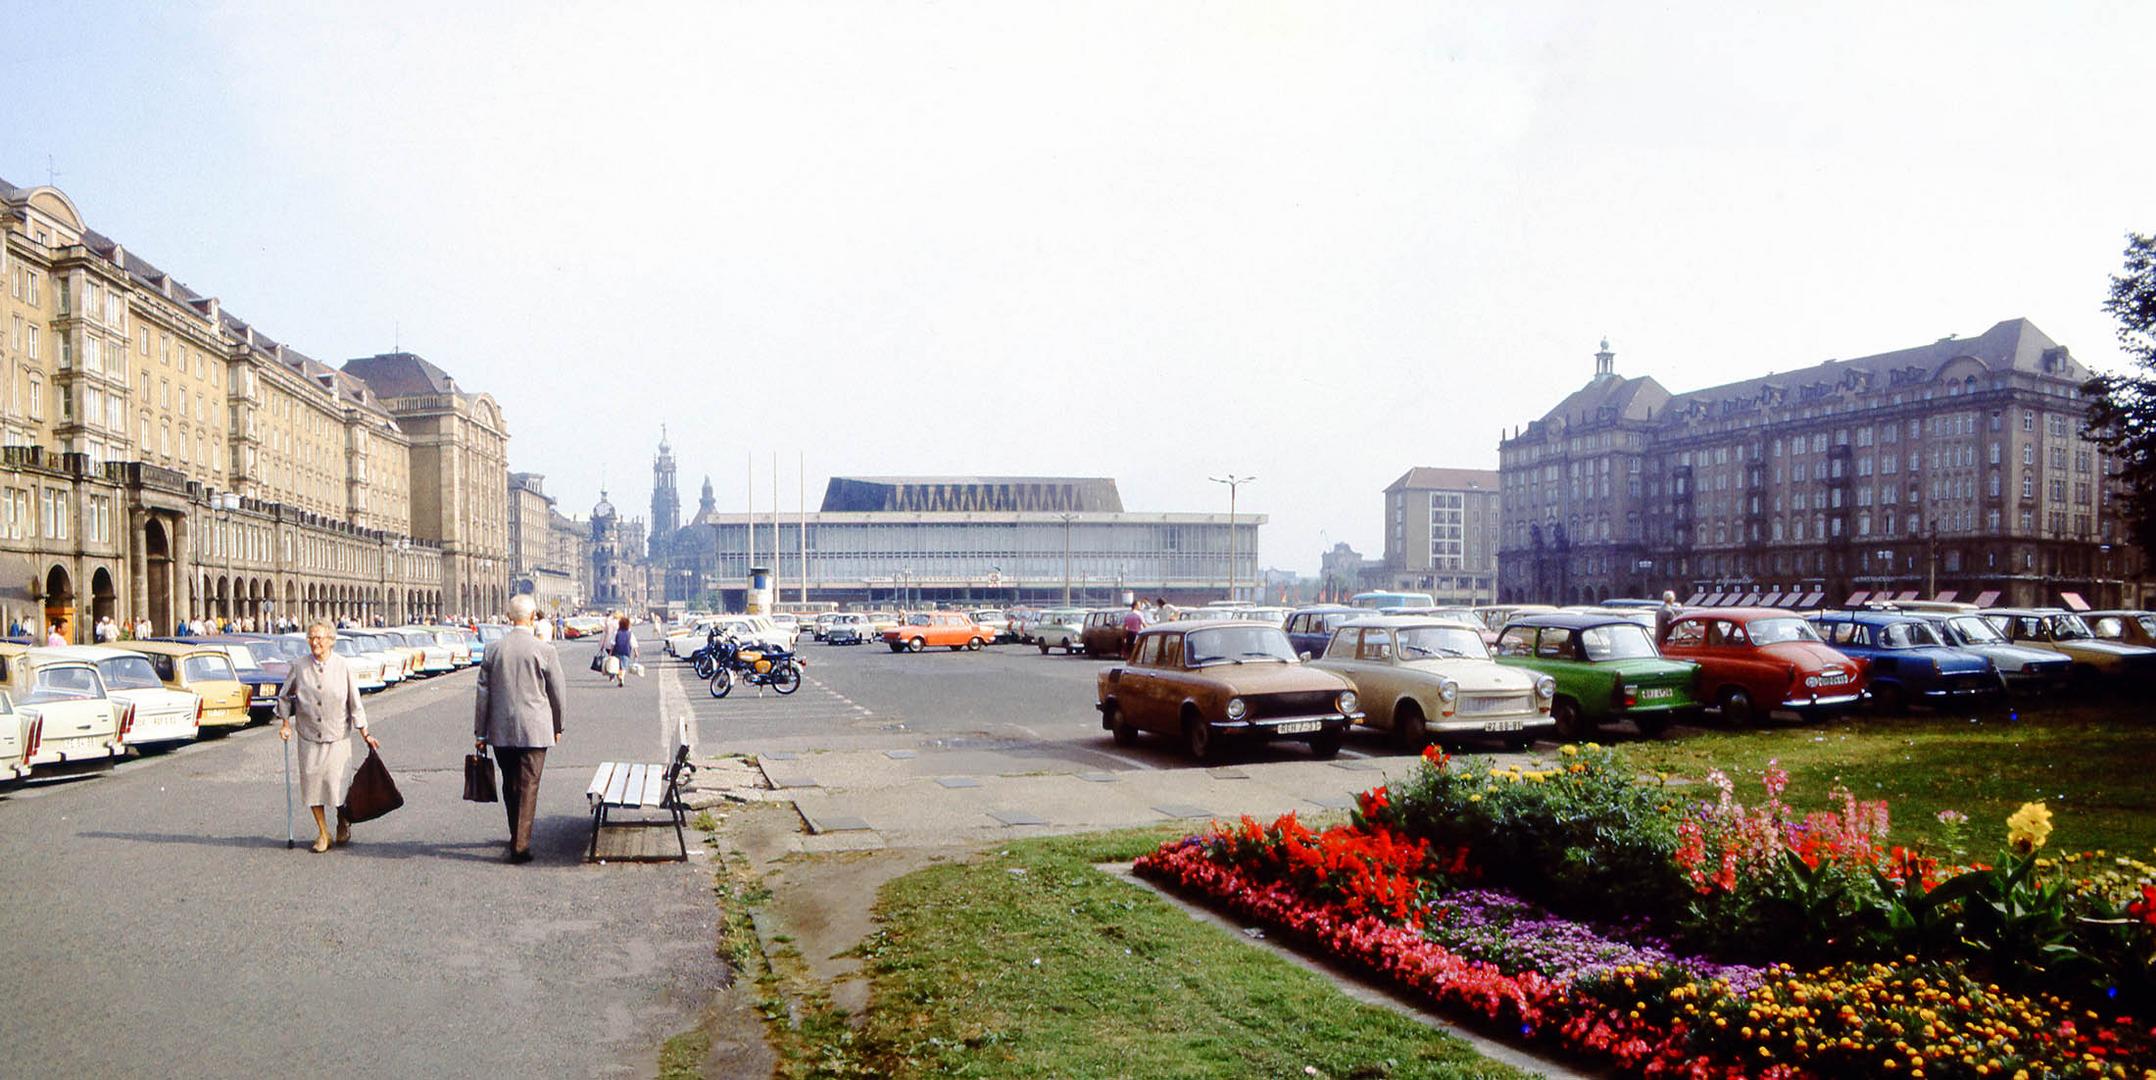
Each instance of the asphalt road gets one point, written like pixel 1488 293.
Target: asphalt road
pixel 156 924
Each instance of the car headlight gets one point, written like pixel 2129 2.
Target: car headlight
pixel 1448 691
pixel 1545 687
pixel 1237 708
pixel 1347 701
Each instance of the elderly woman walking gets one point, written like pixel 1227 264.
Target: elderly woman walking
pixel 323 694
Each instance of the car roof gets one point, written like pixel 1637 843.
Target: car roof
pixel 170 648
pixel 1571 620
pixel 1180 626
pixel 2114 611
pixel 2024 611
pixel 1397 622
pixel 88 652
pixel 1867 618
pixel 45 654
pixel 1739 613
pixel 1315 608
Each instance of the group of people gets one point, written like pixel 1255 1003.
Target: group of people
pixel 1141 616
pixel 516 717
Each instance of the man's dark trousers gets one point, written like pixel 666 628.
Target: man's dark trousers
pixel 521 766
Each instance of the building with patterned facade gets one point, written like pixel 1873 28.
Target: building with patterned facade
pixel 163 458
pixel 1441 532
pixel 930 540
pixel 548 551
pixel 1957 467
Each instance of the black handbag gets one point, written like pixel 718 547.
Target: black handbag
pixel 372 793
pixel 479 779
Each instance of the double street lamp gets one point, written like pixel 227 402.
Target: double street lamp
pixel 226 502
pixel 1234 482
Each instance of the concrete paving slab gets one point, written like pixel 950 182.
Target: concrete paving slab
pixel 1182 810
pixel 790 779
pixel 1017 817
pixel 958 781
pixel 839 823
pixel 1227 773
pixel 1357 766
pixel 779 755
pixel 900 755
pixel 1099 777
pixel 1334 802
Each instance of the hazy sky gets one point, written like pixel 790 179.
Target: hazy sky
pixel 1317 244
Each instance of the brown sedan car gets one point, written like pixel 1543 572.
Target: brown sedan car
pixel 1208 682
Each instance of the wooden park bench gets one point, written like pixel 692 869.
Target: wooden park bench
pixel 622 785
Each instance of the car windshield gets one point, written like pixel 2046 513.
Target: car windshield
pixel 344 647
pixel 207 667
pixel 2069 627
pixel 1236 645
pixel 287 649
pixel 1617 641
pixel 917 620
pixel 2148 623
pixel 1906 635
pixel 1974 630
pixel 129 673
pixel 74 682
pixel 1777 631
pixel 1428 642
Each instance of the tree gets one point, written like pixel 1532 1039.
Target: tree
pixel 2122 409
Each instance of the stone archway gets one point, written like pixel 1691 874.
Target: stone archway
pixel 59 603
pixel 157 575
pixel 103 602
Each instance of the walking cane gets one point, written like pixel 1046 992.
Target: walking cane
pixel 289 842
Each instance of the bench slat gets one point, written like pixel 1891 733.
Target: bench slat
pixel 620 781
pixel 655 787
pixel 597 790
pixel 632 794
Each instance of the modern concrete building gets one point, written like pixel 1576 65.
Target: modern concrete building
pixel 1441 533
pixel 1957 467
pixel 931 540
pixel 166 459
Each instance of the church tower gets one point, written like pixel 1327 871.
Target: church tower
pixel 665 500
pixel 708 505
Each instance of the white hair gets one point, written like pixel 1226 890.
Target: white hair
pixel 522 608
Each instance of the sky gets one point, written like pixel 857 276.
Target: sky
pixel 1313 244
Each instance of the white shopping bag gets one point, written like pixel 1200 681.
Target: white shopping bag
pixel 613 666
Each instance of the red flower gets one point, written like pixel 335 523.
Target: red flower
pixel 1436 756
pixel 2144 909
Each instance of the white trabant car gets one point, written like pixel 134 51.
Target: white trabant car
pixel 162 717
pixel 434 656
pixel 15 739
pixel 1420 678
pixel 846 628
pixel 994 621
pixel 71 718
pixel 373 651
pixel 757 629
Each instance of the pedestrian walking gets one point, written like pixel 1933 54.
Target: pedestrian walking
pixel 1666 614
pixel 623 650
pixel 58 635
pixel 544 628
pixel 518 714
pixel 322 694
pixel 1133 621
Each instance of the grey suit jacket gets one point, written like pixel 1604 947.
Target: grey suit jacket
pixel 521 692
pixel 326 703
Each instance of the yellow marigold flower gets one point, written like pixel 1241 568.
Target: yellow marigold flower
pixel 2029 827
pixel 1474 798
pixel 1569 750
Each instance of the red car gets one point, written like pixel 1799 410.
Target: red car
pixel 1753 661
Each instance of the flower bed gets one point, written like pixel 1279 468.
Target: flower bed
pixel 1405 889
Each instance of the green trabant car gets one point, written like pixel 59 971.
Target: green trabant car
pixel 1606 667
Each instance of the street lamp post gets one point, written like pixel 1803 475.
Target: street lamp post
pixel 1066 519
pixel 1234 482
pixel 227 502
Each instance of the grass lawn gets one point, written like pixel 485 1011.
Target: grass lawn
pixel 1025 961
pixel 2093 764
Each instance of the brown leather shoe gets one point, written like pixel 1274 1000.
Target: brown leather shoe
pixel 344 831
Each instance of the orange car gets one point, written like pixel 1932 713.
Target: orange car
pixel 952 629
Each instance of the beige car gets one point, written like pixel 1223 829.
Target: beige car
pixel 15 737
pixel 162 717
pixel 71 718
pixel 1420 678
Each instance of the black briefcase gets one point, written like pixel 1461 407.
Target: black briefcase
pixel 372 793
pixel 479 779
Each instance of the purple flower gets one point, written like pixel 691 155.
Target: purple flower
pixel 1518 936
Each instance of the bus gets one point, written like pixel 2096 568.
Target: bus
pixel 1379 600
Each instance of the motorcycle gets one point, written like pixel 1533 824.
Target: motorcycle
pixel 756 665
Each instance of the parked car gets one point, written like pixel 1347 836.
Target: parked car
pixel 1495 616
pixel 952 629
pixel 759 630
pixel 1606 668
pixel 159 717
pixel 2097 663
pixel 2026 670
pixel 846 628
pixel 821 624
pixel 1419 678
pixel 1210 682
pixel 371 653
pixel 1103 633
pixel 1276 616
pixel 62 701
pixel 1310 629
pixel 436 657
pixel 2125 627
pixel 1060 628
pixel 18 736
pixel 1907 662
pixel 261 678
pixel 203 670
pixel 995 622
pixel 1754 661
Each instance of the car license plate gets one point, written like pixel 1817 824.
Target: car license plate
pixel 1653 693
pixel 1297 727
pixel 1501 725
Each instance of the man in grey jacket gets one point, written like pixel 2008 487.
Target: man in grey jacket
pixel 518 714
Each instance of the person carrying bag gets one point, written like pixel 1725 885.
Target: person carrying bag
pixel 322 696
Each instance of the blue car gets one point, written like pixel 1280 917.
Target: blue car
pixel 1909 663
pixel 1310 628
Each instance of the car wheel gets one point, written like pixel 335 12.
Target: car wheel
pixel 1409 729
pixel 1737 709
pixel 916 645
pixel 1199 740
pixel 1890 698
pixel 1125 735
pixel 1571 727
pixel 973 645
pixel 1327 745
pixel 1517 744
pixel 1652 726
pixel 1044 648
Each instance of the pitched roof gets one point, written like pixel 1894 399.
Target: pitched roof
pixel 2010 345
pixel 1425 478
pixel 401 374
pixel 1613 397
